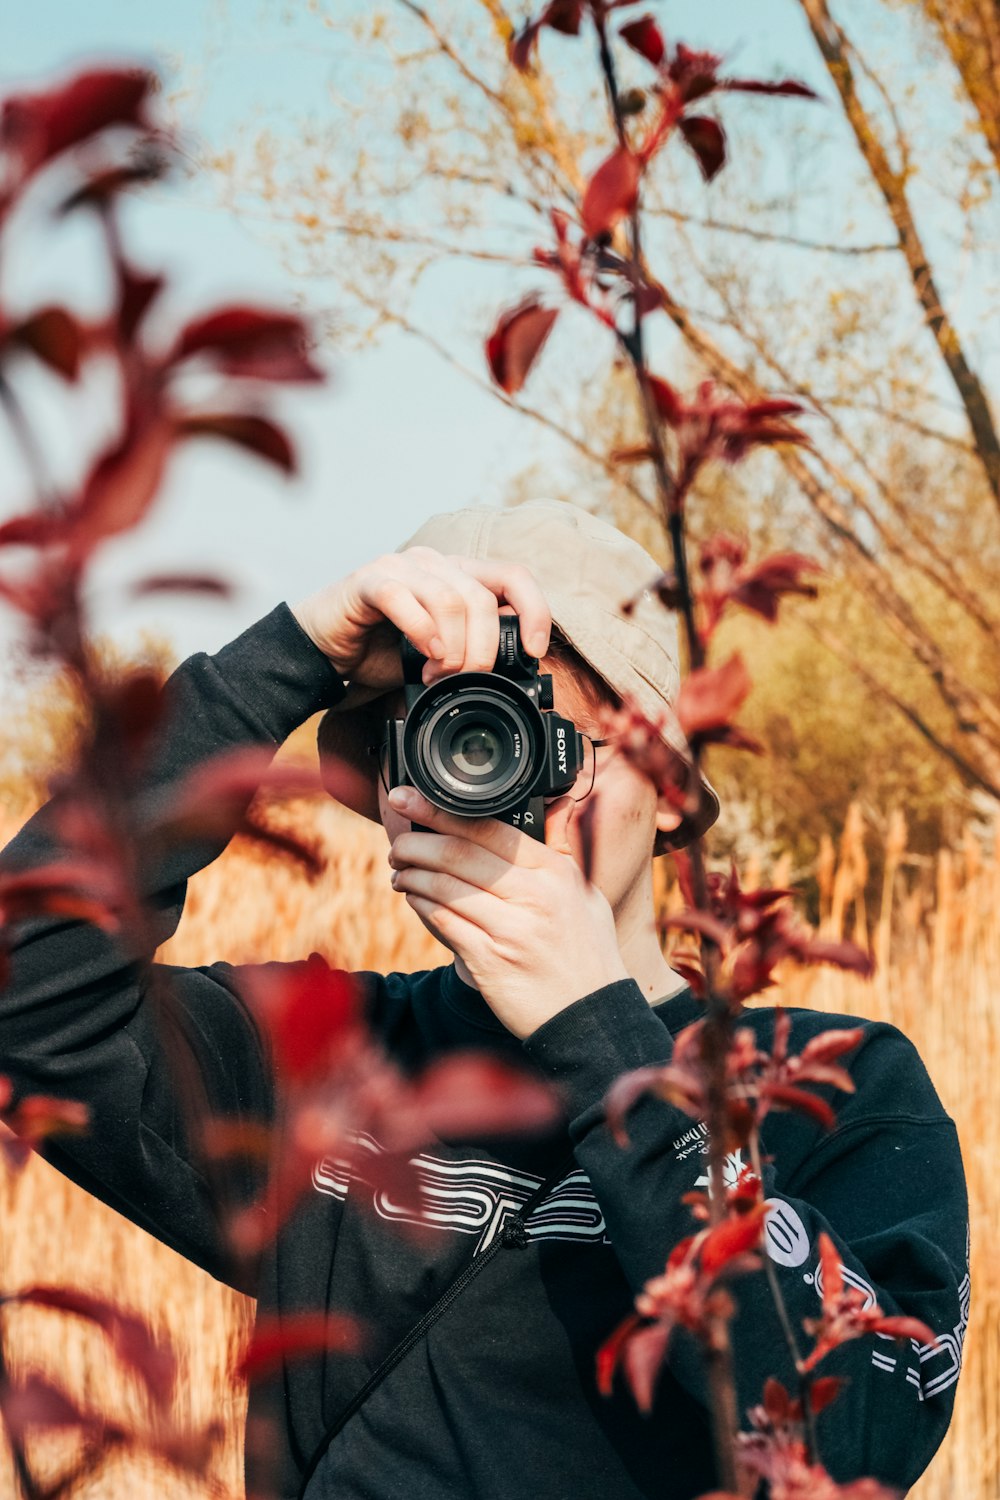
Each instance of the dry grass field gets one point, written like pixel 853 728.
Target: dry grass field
pixel 939 976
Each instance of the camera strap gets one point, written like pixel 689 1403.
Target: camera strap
pixel 513 1235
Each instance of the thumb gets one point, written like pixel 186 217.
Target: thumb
pixel 557 821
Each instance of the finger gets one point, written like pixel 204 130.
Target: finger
pixel 558 816
pixel 454 853
pixel 514 584
pixel 475 906
pixel 447 926
pixel 481 641
pixel 446 605
pixel 502 839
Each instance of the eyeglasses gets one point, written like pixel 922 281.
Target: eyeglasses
pixel 588 770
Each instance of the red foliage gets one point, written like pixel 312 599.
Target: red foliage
pixel 276 1340
pixel 249 343
pixel 611 193
pixel 36 127
pixel 246 430
pixel 33 1120
pixel 707 701
pixel 645 37
pixel 516 342
pixel 845 1316
pixel 131 1337
pixel 707 141
pixel 776 1451
pixel 756 930
pixel 312 1014
pixel 687 1295
pixel 727 580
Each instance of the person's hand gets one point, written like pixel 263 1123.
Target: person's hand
pixel 448 606
pixel 533 933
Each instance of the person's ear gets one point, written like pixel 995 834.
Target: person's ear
pixel 667 817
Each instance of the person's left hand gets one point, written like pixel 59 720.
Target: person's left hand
pixel 533 933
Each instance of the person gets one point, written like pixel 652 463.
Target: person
pixel 498 1397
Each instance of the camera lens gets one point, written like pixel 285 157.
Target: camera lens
pixel 475 745
pixel 476 750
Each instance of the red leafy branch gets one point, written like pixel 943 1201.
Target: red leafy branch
pixel 689 1294
pixel 776 1452
pixel 754 931
pixel 845 1316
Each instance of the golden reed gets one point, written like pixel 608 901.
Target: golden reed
pixel 938 943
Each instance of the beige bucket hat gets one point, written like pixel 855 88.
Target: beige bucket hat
pixel 586 570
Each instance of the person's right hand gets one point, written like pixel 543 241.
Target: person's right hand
pixel 448 606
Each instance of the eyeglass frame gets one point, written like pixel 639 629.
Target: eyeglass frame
pixel 381 748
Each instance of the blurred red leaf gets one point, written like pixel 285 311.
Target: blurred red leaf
pixel 102 186
pixel 277 1340
pixel 731 1237
pixel 644 36
pixel 643 1357
pixel 119 490
pixel 610 1352
pixel 250 343
pixel 516 342
pixel 312 1013
pixel 694 74
pixel 38 1116
pixel 830 1044
pixel 213 798
pixel 842 954
pixel 73 888
pixel 759 588
pixel 55 337
pixel 246 430
pixel 469 1094
pixel 131 1337
pixel 522 45
pixel 38 127
pixel 611 192
pixel 668 403
pixel 844 1315
pixel 707 140
pixel 194 583
pixel 283 842
pixel 823 1391
pixel 797 1099
pixel 560 15
pixel 710 697
pixel 787 86
pixel 34 1401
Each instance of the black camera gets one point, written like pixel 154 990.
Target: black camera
pixel 485 744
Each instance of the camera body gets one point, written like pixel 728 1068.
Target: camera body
pixel 485 744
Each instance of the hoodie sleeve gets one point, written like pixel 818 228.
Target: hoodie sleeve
pixel 886 1184
pixel 84 1018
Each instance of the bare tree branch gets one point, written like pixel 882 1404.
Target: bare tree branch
pixel 837 52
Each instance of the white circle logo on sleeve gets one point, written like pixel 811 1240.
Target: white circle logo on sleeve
pixel 785 1237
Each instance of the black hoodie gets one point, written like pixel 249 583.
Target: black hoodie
pixel 499 1399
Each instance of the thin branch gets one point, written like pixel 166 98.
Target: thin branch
pixel 973 711
pixel 939 569
pixel 966 770
pixel 900 418
pixel 768 236
pixel 612 469
pixel 837 52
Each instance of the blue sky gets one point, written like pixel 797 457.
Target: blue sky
pixel 396 435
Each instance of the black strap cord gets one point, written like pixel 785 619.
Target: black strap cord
pixel 513 1236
